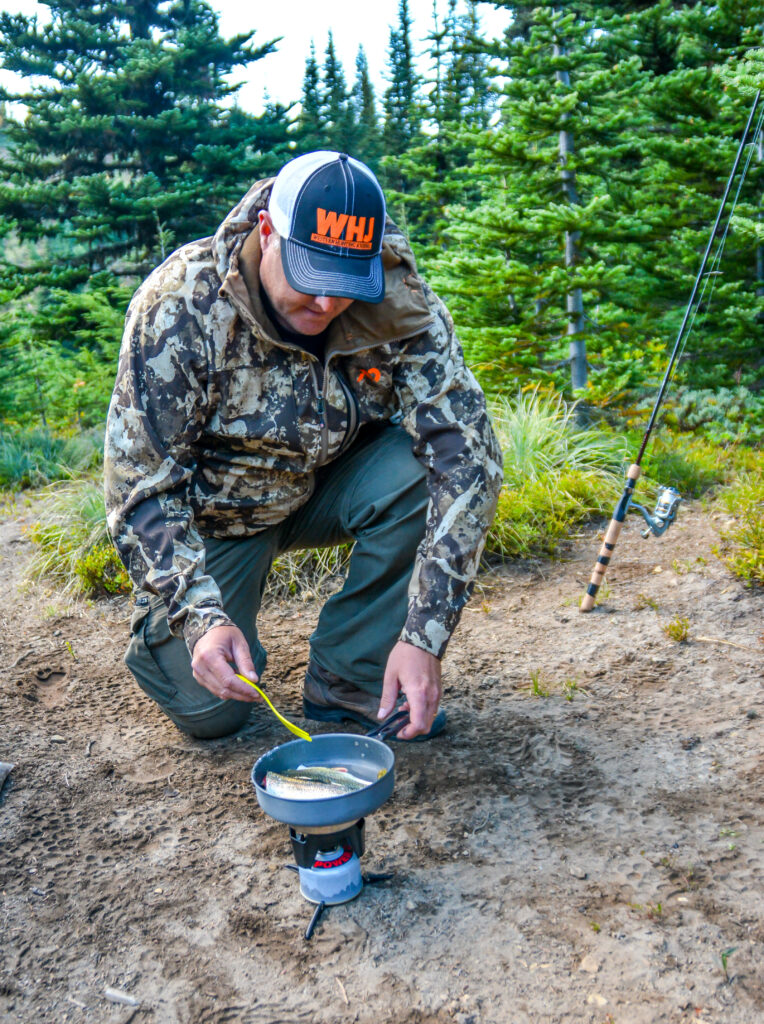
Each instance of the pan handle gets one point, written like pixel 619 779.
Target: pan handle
pixel 390 725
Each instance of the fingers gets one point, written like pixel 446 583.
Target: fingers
pixel 423 701
pixel 390 688
pixel 211 664
pixel 243 659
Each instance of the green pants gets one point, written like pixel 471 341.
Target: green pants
pixel 374 495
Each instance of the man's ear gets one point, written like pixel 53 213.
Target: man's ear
pixel 266 228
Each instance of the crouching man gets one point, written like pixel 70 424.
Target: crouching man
pixel 292 382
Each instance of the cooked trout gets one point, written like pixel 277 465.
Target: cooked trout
pixel 313 783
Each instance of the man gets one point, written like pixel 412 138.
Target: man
pixel 292 382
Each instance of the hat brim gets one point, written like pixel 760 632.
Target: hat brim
pixel 317 273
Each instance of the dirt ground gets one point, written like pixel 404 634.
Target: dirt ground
pixel 584 844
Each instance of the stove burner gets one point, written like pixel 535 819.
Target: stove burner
pixel 330 868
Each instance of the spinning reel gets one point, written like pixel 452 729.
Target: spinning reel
pixel 669 500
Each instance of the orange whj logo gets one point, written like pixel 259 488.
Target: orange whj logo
pixel 331 226
pixel 372 374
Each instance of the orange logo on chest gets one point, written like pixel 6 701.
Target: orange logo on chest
pixel 372 374
pixel 331 226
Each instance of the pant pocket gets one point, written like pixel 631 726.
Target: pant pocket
pixel 146 633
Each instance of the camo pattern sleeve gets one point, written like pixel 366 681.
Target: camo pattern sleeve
pixel 444 411
pixel 156 414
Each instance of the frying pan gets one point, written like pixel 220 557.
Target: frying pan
pixel 364 756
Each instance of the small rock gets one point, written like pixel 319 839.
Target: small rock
pixel 690 742
pixel 589 965
pixel 577 872
pixel 595 999
pixel 5 770
pixel 410 905
pixel 115 995
pixel 57 739
pixel 159 891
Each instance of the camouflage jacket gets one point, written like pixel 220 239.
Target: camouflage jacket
pixel 215 426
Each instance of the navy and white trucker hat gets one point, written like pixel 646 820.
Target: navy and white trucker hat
pixel 330 213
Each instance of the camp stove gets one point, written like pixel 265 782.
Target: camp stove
pixel 328 834
pixel 329 867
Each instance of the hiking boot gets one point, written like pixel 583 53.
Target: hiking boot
pixel 328 698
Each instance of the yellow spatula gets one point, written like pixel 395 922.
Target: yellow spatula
pixel 292 728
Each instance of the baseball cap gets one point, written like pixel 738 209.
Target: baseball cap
pixel 330 213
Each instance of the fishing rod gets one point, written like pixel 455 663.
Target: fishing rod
pixel 669 498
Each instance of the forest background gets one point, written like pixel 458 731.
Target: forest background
pixel 557 184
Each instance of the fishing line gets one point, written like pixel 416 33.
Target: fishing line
pixel 696 286
pixel 716 261
pixel 669 498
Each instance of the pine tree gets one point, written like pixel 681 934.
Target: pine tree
pixel 309 128
pixel 339 129
pixel 435 168
pixel 126 151
pixel 368 144
pixel 511 285
pixel 693 51
pixel 127 137
pixel 402 104
pixel 654 134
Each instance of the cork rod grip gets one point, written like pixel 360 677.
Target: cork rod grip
pixel 608 544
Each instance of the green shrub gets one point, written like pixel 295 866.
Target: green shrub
pixel 555 474
pixel 742 544
pixel 722 414
pixel 539 435
pixel 74 548
pixel 691 464
pixel 33 458
pixel 100 571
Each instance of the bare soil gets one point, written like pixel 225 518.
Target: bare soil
pixel 584 844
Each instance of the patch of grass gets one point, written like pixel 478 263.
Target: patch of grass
pixel 308 574
pixel 75 551
pixel 742 544
pixel 643 601
pixel 689 463
pixel 569 689
pixel 555 474
pixel 654 911
pixel 538 687
pixel 677 629
pixel 73 544
pixel 724 957
pixel 34 458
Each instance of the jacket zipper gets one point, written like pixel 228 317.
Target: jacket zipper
pixel 320 390
pixel 353 413
pixel 320 397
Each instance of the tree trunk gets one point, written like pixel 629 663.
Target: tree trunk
pixel 760 248
pixel 575 301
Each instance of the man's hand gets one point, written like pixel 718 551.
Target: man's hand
pixel 210 663
pixel 417 674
